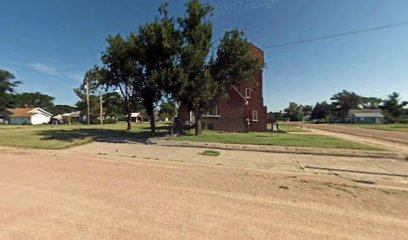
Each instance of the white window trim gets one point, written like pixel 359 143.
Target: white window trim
pixel 247 93
pixel 256 114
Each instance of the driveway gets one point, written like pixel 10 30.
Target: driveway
pixel 397 141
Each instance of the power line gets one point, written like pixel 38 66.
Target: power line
pixel 339 35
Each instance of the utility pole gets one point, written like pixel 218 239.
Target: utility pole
pixel 87 102
pixel 101 108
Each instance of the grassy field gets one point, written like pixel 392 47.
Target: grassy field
pixel 64 136
pixel 387 127
pixel 288 128
pixel 282 139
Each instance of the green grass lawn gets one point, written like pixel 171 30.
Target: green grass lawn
pixel 387 127
pixel 64 136
pixel 282 139
pixel 288 128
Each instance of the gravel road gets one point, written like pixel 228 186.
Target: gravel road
pixel 77 194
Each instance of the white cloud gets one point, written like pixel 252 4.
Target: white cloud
pixel 43 68
pixel 53 71
pixel 75 76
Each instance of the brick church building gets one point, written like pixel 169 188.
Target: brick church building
pixel 243 111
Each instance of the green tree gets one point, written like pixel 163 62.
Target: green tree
pixel 371 102
pixel 61 109
pixel 208 79
pixel 234 64
pixel 32 100
pixel 81 106
pixel 121 71
pixel 113 105
pixel 393 108
pixel 90 80
pixel 157 45
pixel 307 109
pixel 7 85
pixel 294 112
pixel 343 102
pixel 167 109
pixel 321 111
pixel 196 31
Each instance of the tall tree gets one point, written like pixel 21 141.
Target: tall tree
pixel 7 85
pixel 61 109
pixel 393 108
pixel 121 71
pixel 36 99
pixel 343 102
pixel 307 109
pixel 89 85
pixel 113 105
pixel 157 45
pixel 371 102
pixel 167 109
pixel 196 32
pixel 294 112
pixel 321 111
pixel 208 79
pixel 234 63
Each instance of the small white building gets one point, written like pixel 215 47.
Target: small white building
pixel 33 116
pixel 136 117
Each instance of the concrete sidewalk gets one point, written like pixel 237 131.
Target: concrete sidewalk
pixel 387 172
pixel 283 149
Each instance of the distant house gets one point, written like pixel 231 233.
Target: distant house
pixel 366 116
pixel 243 111
pixel 68 117
pixel 136 117
pixel 20 116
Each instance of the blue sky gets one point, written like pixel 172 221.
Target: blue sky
pixel 49 44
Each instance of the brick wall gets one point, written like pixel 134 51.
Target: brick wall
pixel 234 112
pixel 255 101
pixel 232 115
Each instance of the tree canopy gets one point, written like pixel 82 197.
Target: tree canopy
pixel 343 102
pixel 393 108
pixel 7 86
pixel 32 100
pixel 170 58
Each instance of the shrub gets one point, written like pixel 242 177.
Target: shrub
pixel 210 153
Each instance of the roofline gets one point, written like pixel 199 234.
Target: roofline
pixel 41 110
pixel 253 45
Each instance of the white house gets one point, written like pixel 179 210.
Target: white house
pixel 136 117
pixel 34 116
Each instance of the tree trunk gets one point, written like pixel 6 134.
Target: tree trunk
pixel 197 122
pixel 129 117
pixel 128 110
pixel 152 124
pixel 129 121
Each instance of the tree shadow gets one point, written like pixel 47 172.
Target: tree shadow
pixel 98 135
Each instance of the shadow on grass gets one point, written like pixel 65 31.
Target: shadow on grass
pixel 99 135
